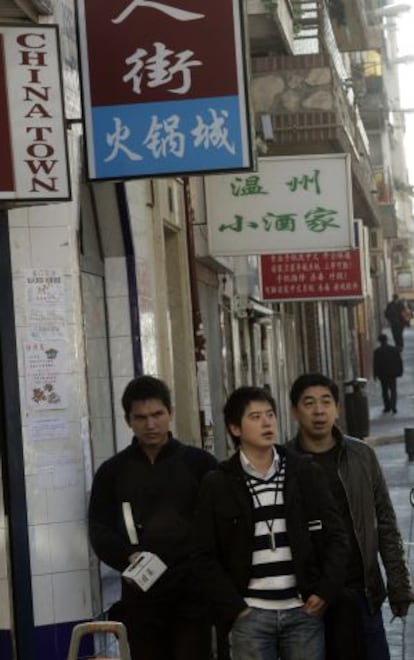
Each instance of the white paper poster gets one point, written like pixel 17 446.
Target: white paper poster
pixel 48 428
pixel 45 294
pixel 46 365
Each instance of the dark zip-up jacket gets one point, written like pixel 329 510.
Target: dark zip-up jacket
pixel 224 534
pixel 162 497
pixel 374 521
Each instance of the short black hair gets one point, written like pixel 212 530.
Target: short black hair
pixel 144 388
pixel 237 403
pixel 382 338
pixel 312 380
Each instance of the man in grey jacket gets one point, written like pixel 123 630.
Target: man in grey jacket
pixel 361 494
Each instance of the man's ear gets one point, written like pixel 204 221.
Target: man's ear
pixel 294 413
pixel 235 430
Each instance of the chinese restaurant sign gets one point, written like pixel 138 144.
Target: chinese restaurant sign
pixel 311 275
pixel 164 89
pixel 292 204
pixel 34 162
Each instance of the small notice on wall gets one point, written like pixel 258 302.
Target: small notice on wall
pixel 45 294
pixel 46 365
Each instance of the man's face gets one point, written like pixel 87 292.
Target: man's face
pixel 258 429
pixel 316 412
pixel 150 422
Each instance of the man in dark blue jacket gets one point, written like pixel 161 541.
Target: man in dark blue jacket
pixel 387 368
pixel 270 545
pixel 142 504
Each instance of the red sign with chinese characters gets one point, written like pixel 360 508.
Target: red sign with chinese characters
pixel 311 276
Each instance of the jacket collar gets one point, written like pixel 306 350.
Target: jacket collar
pixel 168 449
pixel 234 466
pixel 336 432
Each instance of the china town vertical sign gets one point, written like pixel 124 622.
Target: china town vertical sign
pixel 164 87
pixel 33 150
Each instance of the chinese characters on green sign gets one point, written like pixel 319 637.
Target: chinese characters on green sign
pixel 290 204
pixel 316 219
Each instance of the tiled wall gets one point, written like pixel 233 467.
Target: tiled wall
pixel 45 238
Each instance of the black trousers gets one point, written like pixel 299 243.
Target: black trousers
pixel 168 638
pixel 397 330
pixel 343 629
pixel 389 393
pixel 167 623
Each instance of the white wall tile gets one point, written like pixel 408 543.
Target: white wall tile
pixel 116 277
pixel 72 596
pixel 2 518
pixel 20 248
pixel 119 384
pixel 123 433
pixel 66 504
pixel 119 317
pixel 43 609
pixel 36 497
pixel 99 395
pixel 96 356
pixel 51 247
pixel 40 555
pixel 5 622
pixel 19 217
pixel 68 547
pixel 102 435
pixel 3 554
pixel 121 356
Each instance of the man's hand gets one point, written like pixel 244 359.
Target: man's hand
pixel 133 557
pixel 244 613
pixel 314 606
pixel 400 608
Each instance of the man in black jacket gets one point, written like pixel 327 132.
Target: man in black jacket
pixel 388 367
pixel 360 491
pixel 270 545
pixel 395 313
pixel 142 502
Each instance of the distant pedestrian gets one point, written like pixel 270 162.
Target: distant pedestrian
pixel 362 496
pixel 398 317
pixel 388 367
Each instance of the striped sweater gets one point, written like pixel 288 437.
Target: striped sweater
pixel 273 583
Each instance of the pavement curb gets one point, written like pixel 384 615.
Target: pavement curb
pixel 377 441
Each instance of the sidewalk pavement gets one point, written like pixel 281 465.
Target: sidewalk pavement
pixel 387 438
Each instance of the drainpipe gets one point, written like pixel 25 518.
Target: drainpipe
pixel 131 277
pixel 12 462
pixel 200 342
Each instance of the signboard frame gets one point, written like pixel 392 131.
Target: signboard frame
pixel 290 204
pixel 31 99
pixel 150 110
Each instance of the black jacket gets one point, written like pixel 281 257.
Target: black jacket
pixel 374 521
pixel 387 362
pixel 162 497
pixel 224 534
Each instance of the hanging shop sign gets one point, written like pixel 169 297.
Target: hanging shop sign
pixel 291 204
pixel 33 148
pixel 164 87
pixel 333 275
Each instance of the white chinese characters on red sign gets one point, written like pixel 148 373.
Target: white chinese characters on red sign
pixel 311 275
